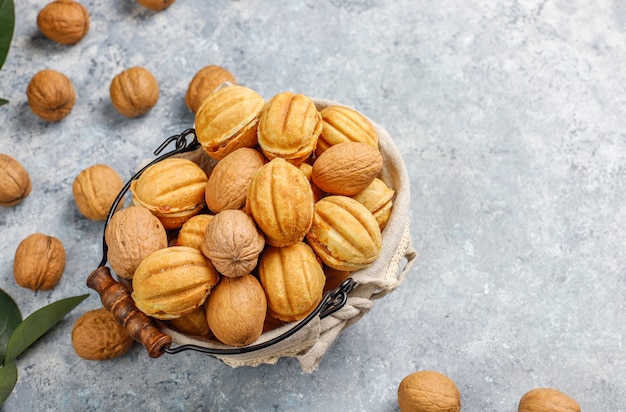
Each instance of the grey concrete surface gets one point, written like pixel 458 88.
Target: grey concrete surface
pixel 511 118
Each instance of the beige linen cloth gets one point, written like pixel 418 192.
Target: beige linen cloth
pixel 310 343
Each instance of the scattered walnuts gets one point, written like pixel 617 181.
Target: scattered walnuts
pixel 134 92
pixel 51 95
pixel 39 262
pixel 156 5
pixel 64 21
pixel 15 183
pixel 205 82
pixel 95 188
pixel 428 391
pixel 547 400
pixel 96 335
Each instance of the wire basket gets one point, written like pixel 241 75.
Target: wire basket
pixel 309 338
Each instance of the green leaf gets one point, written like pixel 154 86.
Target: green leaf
pixel 7 24
pixel 3 101
pixel 10 317
pixel 8 379
pixel 37 324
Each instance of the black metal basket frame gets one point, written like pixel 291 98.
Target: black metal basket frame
pixel 331 302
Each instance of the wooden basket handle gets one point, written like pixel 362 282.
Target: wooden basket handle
pixel 116 298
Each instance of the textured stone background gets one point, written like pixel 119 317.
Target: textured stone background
pixel 511 118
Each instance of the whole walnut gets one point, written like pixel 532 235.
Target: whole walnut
pixel 131 235
pixel 547 400
pixel 95 188
pixel 51 95
pixel 15 183
pixel 233 243
pixel 39 262
pixel 96 335
pixel 156 5
pixel 205 82
pixel 134 92
pixel 236 310
pixel 64 21
pixel 227 186
pixel 347 168
pixel 428 391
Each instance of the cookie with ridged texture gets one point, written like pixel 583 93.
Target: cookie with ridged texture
pixel 280 201
pixel 289 127
pixel 342 124
pixel 228 119
pixel 344 234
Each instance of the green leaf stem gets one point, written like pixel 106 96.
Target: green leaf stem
pixel 10 317
pixel 38 323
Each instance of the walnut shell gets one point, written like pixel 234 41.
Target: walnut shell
pixel 227 186
pixel 15 183
pixel 233 243
pixel 192 231
pixel 428 391
pixel 342 124
pixel 39 262
pixel 236 310
pixel 134 91
pixel 96 335
pixel 347 168
pixel 344 234
pixel 547 400
pixel 64 21
pixel 205 82
pixel 228 120
pixel 378 199
pixel 131 235
pixel 281 202
pixel 172 189
pixel 193 323
pixel 51 95
pixel 172 282
pixel 95 189
pixel 156 5
pixel 293 281
pixel 289 127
